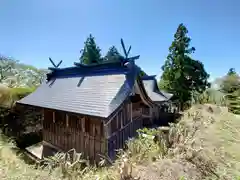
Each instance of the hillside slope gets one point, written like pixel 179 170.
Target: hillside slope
pixel 16 74
pixel 204 145
pixel 207 147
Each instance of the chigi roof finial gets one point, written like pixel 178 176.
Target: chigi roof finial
pixel 53 69
pixel 126 53
pixel 54 65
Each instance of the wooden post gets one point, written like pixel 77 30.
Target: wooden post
pixel 117 120
pixel 42 116
pixel 67 120
pixel 121 117
pixel 151 114
pixel 53 116
pixel 131 111
pixel 83 124
pixel 107 130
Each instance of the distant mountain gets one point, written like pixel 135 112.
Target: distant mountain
pixel 16 74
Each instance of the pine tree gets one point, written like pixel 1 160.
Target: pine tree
pixel 231 71
pixel 113 55
pixel 91 52
pixel 231 87
pixel 182 75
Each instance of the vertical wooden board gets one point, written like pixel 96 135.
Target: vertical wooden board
pixel 59 131
pixel 61 139
pixel 120 139
pixel 97 149
pixel 124 135
pixel 103 146
pixel 117 140
pixel 91 147
pixel 71 139
pixel 78 141
pixel 87 149
pixel 130 129
pixel 53 134
pixel 59 136
pixel 65 138
pixel 114 145
pixel 82 142
pixel 74 137
pixel 83 139
pixel 135 128
pixel 49 133
pixel 123 140
pixel 111 147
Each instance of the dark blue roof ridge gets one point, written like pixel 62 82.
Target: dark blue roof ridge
pixel 146 77
pixel 82 66
pixel 93 70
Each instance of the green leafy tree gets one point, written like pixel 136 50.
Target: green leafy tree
pixel 182 75
pixel 91 53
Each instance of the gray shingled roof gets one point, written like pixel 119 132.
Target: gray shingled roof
pixel 96 95
pixel 152 91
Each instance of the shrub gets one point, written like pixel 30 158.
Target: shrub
pixel 19 93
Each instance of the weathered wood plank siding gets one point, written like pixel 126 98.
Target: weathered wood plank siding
pixel 67 131
pixel 123 126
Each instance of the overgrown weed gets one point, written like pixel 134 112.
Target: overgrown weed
pixel 203 145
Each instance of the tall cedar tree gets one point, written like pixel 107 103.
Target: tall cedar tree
pixel 91 52
pixel 231 71
pixel 113 55
pixel 230 86
pixel 230 82
pixel 182 75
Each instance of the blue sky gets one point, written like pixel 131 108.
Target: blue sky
pixel 32 30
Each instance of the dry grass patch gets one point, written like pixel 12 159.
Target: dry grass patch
pixel 203 145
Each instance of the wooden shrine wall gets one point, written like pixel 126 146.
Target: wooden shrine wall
pixel 123 126
pixel 67 131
